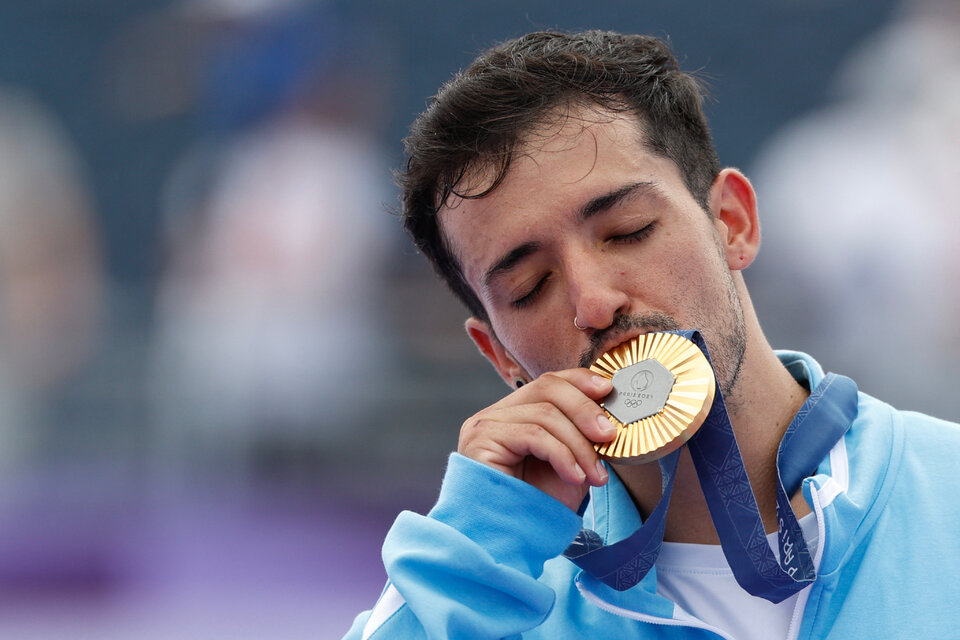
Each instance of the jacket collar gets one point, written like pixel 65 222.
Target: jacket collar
pixel 612 514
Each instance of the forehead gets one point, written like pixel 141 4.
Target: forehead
pixel 565 133
pixel 561 164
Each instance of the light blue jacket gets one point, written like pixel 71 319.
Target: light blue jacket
pixel 486 563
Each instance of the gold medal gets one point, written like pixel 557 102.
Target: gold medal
pixel 663 388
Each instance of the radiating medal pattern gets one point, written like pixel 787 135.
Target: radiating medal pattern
pixel 663 390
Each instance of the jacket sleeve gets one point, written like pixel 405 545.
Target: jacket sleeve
pixel 469 568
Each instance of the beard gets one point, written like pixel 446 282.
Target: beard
pixel 623 324
pixel 727 342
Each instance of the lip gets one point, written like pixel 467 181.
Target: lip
pixel 619 341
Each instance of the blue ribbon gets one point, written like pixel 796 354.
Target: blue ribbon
pixel 824 418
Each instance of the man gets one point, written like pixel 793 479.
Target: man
pixel 566 188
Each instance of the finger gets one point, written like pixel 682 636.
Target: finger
pixel 589 383
pixel 555 424
pixel 576 427
pixel 504 445
pixel 581 408
pixel 562 458
pixel 541 475
pixel 564 405
pixel 576 393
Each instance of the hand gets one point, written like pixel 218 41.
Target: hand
pixel 543 433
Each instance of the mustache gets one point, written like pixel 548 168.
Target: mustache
pixel 603 339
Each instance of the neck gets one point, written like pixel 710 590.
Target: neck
pixel 761 407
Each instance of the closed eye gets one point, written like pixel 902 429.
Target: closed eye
pixel 636 236
pixel 529 297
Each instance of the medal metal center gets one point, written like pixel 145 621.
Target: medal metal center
pixel 639 391
pixel 663 388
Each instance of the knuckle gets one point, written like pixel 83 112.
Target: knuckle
pixel 553 379
pixel 587 408
pixel 533 431
pixel 547 409
pixel 473 426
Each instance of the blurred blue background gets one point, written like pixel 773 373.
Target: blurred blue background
pixel 222 368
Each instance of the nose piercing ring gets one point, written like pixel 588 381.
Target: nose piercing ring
pixel 577 324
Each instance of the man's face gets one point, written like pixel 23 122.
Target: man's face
pixel 589 224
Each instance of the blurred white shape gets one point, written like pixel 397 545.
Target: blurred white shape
pixel 50 268
pixel 233 9
pixel 268 314
pixel 861 209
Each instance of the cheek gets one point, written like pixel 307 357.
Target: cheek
pixel 543 345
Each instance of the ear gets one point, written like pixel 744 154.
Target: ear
pixel 488 344
pixel 733 204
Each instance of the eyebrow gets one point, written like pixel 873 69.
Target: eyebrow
pixel 608 200
pixel 509 261
pixel 591 208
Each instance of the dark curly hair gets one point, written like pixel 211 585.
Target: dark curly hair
pixel 478 120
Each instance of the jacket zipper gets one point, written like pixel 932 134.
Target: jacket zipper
pixel 643 617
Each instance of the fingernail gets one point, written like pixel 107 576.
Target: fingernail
pixel 602 470
pixel 600 381
pixel 607 428
pixel 580 473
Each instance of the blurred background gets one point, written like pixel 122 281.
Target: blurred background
pixel 222 368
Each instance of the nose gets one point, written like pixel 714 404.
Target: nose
pixel 596 293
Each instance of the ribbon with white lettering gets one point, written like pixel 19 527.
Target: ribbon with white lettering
pixel 816 428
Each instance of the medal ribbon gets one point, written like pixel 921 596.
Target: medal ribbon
pixel 824 418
